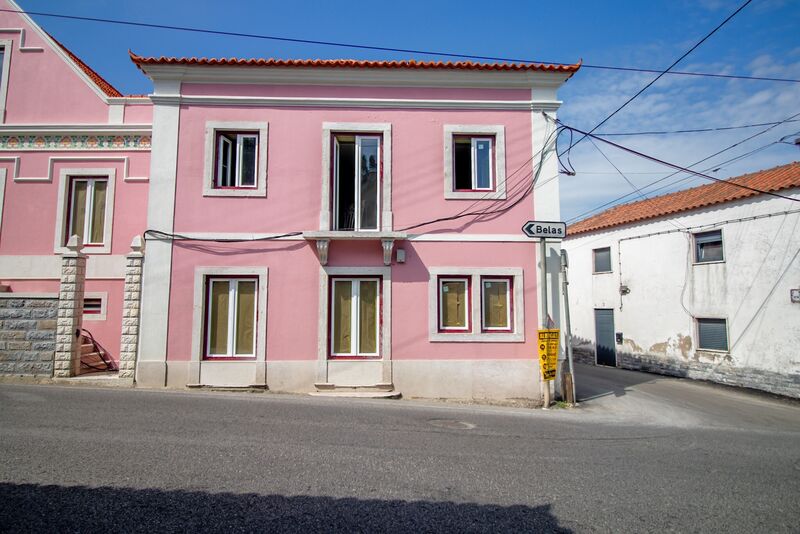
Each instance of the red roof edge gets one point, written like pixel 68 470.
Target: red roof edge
pixel 768 180
pixel 353 63
pixel 99 81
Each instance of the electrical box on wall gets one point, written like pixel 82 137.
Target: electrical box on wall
pixel 794 295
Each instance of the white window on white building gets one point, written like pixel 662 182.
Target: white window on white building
pixel 708 247
pixel 602 260
pixel 712 334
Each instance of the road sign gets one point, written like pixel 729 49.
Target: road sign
pixel 548 351
pixel 545 229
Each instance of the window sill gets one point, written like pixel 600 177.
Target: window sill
pixel 475 195
pixel 483 337
pixel 236 192
pixel 353 235
pixel 603 272
pixel 707 262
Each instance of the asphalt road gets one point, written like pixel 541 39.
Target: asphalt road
pixel 639 454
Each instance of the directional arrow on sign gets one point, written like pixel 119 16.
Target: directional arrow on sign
pixel 545 229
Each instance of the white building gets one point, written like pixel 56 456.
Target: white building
pixel 702 283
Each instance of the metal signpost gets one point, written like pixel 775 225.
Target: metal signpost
pixel 544 230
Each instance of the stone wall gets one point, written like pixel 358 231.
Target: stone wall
pixel 27 334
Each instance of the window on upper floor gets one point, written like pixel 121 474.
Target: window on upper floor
pixel 602 260
pixel 712 334
pixel 230 317
pixel 708 247
pixel 236 160
pixel 87 210
pixel 356 181
pixel 473 160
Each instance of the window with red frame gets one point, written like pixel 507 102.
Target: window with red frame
pixel 355 317
pixel 237 159
pixel 496 304
pixel 230 317
pixel 454 304
pixel 87 209
pixel 473 158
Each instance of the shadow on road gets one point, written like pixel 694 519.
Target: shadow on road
pixel 37 508
pixel 595 381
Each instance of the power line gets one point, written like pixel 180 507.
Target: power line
pixel 713 168
pixel 654 80
pixel 391 49
pixel 675 166
pixel 697 130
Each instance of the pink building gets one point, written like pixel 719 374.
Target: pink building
pixel 311 225
pixel 74 159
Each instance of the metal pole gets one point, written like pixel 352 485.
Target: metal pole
pixel 543 320
pixel 568 336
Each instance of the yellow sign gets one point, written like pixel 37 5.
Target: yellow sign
pixel 548 351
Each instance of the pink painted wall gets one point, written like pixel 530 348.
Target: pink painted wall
pixel 293 203
pixel 29 210
pixel 295 168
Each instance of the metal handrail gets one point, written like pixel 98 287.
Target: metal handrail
pixel 98 348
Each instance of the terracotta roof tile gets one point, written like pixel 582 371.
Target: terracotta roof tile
pixel 353 64
pixel 775 179
pixel 99 81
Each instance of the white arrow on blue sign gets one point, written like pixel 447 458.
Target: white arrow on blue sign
pixel 545 229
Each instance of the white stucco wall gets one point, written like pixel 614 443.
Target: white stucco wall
pixel 750 289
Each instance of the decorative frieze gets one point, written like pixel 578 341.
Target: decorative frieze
pixel 75 142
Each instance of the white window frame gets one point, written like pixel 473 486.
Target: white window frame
pixel 6 45
pixel 356 179
pixel 509 281
pixel 235 150
pixel 63 209
pixel 103 297
pixel 355 311
pixel 473 142
pixel 211 166
pixel 467 310
pixel 695 259
pixel 91 183
pixel 233 299
pixel 727 333
pixel 475 333
pixel 477 131
pixel 201 274
pixel 594 261
pixel 329 129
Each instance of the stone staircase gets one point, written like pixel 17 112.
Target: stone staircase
pixel 94 358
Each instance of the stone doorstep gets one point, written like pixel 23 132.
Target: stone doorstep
pixel 381 386
pixel 252 388
pixel 96 379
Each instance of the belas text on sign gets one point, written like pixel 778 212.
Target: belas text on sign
pixel 545 229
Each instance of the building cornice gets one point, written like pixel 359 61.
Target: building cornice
pixel 67 129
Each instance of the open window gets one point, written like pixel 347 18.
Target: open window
pixel 237 160
pixel 708 247
pixel 355 317
pixel 472 163
pixel 87 210
pixel 230 317
pixel 356 182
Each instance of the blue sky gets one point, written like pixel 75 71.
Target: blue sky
pixel 763 40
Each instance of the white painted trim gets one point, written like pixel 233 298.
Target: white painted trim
pixel 324 312
pixel 157 275
pixel 62 209
pixel 498 131
pixel 399 236
pixel 116 113
pixel 340 102
pixel 384 128
pixel 517 335
pixel 15 163
pixel 103 315
pixel 5 71
pixel 130 100
pixel 26 295
pixel 66 129
pixel 357 76
pixel 198 317
pixel 48 267
pixel 21 32
pixel 52 160
pixel 2 196
pixel 209 170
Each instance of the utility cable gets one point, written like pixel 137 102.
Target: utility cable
pixel 386 48
pixel 697 130
pixel 661 74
